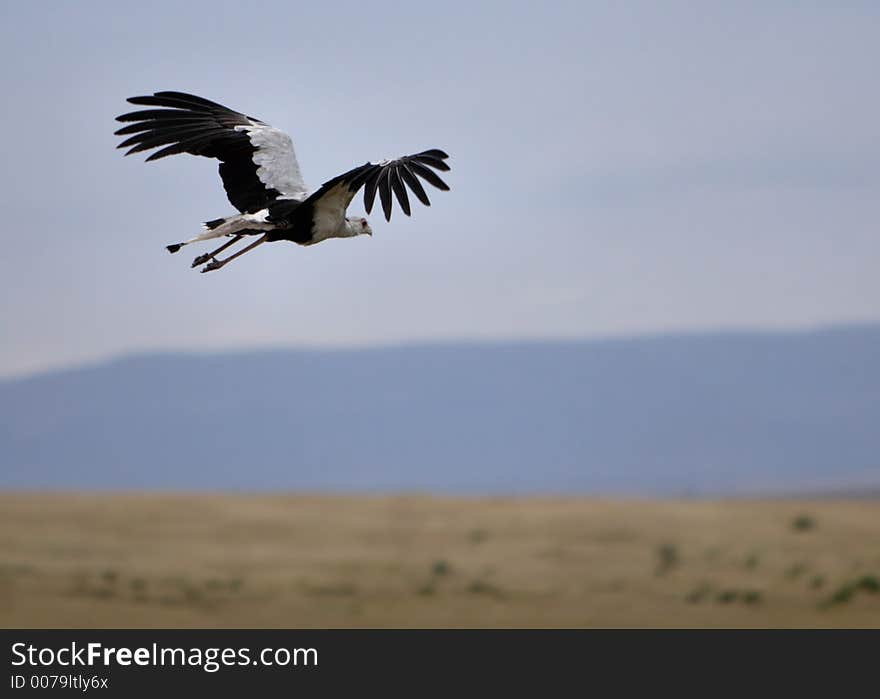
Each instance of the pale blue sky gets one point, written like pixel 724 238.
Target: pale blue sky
pixel 617 168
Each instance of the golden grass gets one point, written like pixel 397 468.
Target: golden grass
pixel 159 560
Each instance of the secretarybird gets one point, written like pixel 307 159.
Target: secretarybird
pixel 262 178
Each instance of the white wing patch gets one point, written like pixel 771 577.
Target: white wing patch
pixel 276 160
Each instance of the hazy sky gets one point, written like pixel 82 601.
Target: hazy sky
pixel 617 168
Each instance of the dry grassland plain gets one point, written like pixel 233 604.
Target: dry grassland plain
pixel 300 561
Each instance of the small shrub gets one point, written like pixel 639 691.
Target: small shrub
pixel 441 568
pixel 477 536
pixel 667 558
pixel 426 590
pixel 752 561
pixel 698 594
pixel 869 583
pixel 752 597
pixel 727 596
pixel 795 571
pixel 842 594
pixel 803 523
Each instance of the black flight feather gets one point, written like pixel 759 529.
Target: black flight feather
pixel 399 190
pixel 414 184
pixel 370 189
pixel 429 175
pixel 385 191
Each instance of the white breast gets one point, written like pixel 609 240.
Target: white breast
pixel 328 215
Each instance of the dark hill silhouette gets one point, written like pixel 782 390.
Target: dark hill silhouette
pixel 718 413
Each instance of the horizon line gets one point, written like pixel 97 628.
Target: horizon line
pixel 415 343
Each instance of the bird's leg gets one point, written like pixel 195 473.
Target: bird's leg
pixel 217 264
pixel 202 259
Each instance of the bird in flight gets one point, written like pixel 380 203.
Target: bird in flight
pixel 262 177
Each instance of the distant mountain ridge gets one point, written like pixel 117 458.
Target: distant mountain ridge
pixel 679 414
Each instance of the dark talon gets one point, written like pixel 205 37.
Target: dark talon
pixel 211 267
pixel 201 259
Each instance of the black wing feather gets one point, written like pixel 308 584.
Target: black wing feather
pixel 200 145
pixel 372 180
pixel 413 182
pixel 385 191
pixel 435 153
pixel 387 177
pixel 148 125
pixel 179 101
pixel 146 140
pixel 191 99
pixel 185 123
pixel 428 174
pixel 435 163
pixel 162 114
pixel 399 190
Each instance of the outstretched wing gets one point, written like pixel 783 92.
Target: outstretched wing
pixel 385 177
pixel 257 165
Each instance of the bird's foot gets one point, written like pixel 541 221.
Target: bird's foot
pixel 201 259
pixel 216 264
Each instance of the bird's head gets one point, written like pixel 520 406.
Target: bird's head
pixel 359 226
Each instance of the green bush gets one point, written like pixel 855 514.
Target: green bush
pixel 803 523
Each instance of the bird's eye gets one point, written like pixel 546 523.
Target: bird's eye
pixel 363 223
